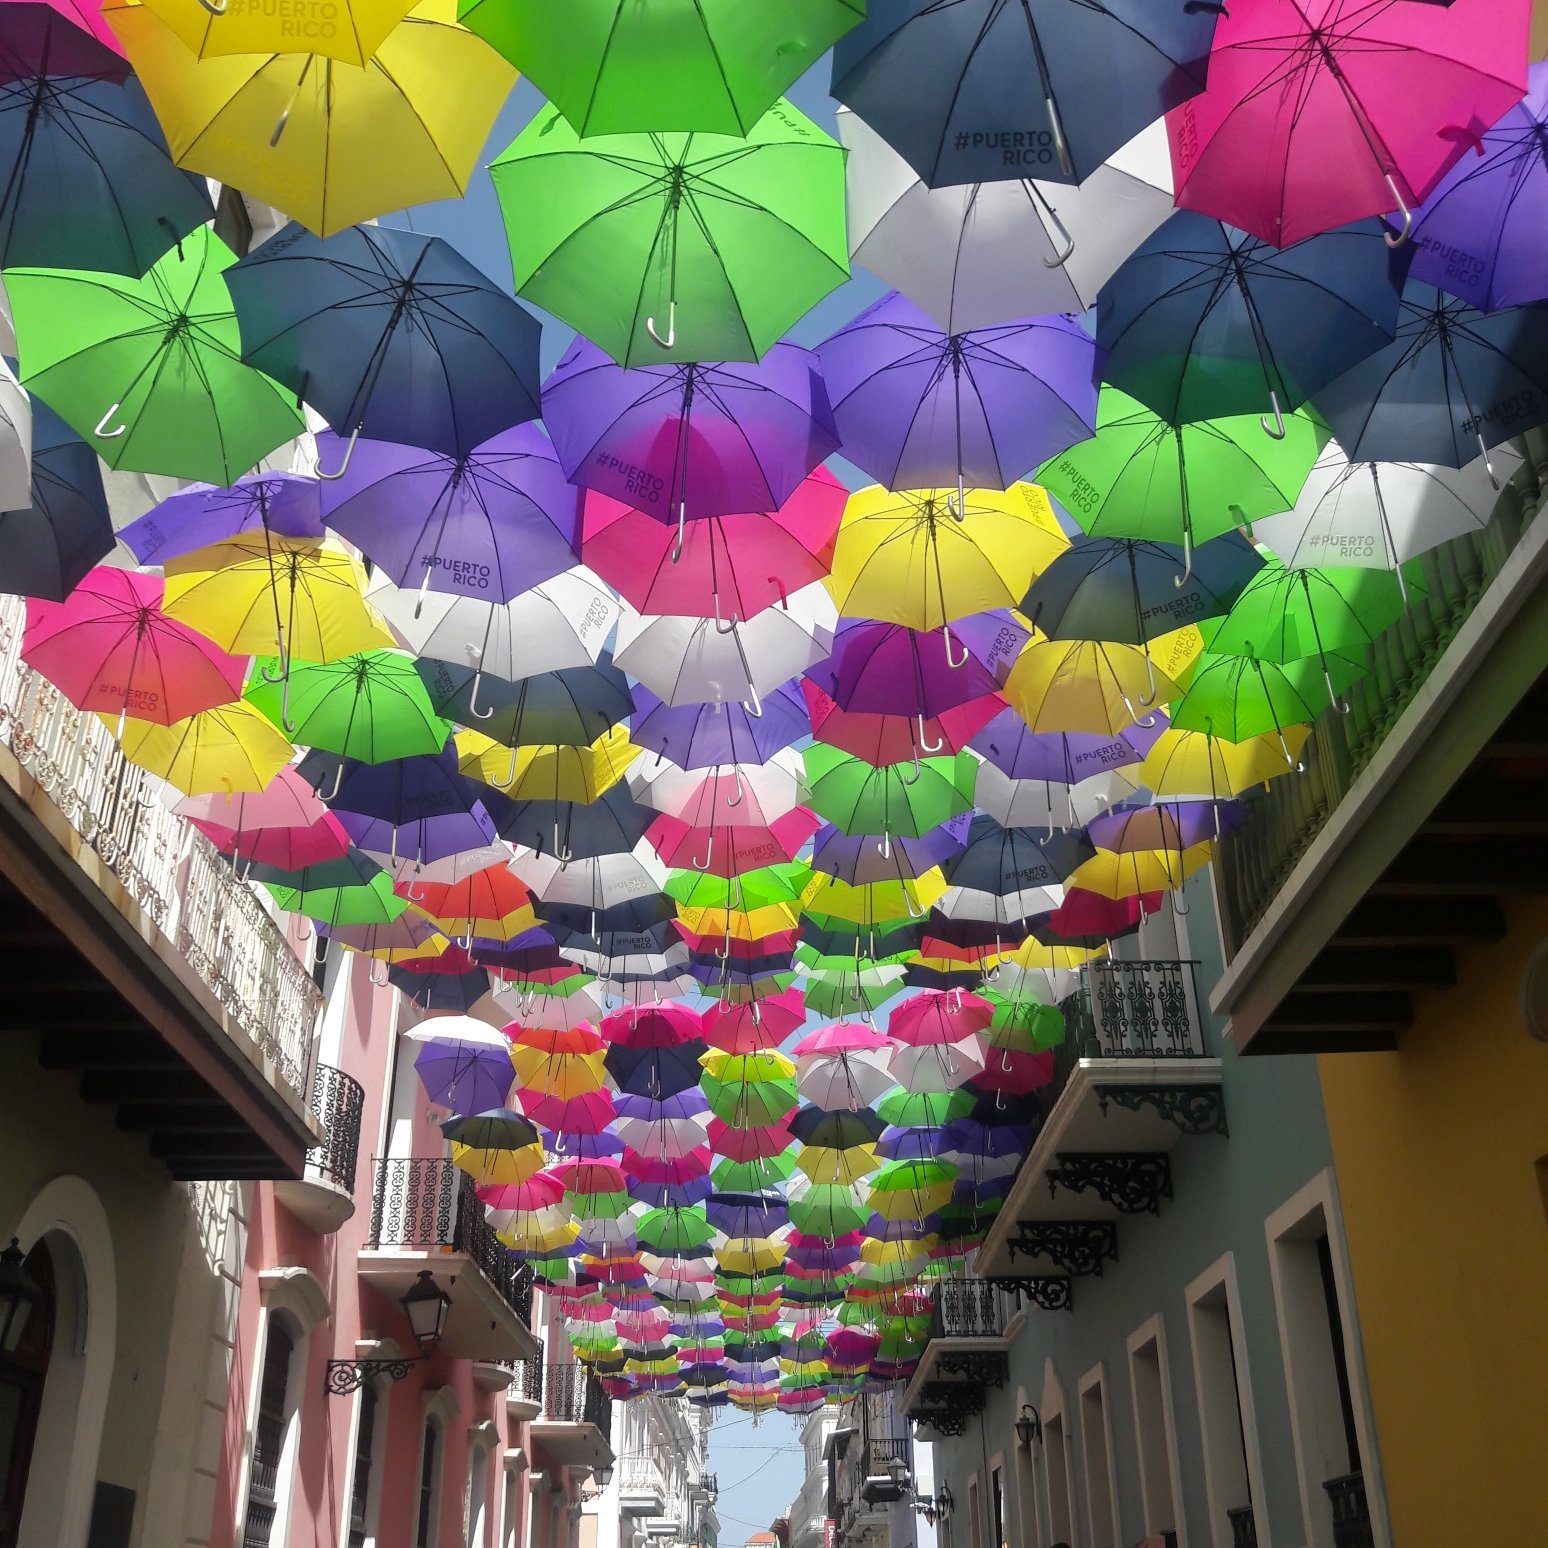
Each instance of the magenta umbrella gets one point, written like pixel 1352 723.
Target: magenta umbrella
pixel 1322 112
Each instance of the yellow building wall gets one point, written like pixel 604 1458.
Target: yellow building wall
pixel 1442 1154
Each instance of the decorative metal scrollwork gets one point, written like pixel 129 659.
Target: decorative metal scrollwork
pixel 1133 1182
pixel 973 1365
pixel 1049 1292
pixel 1076 1246
pixel 1194 1109
pixel 346 1376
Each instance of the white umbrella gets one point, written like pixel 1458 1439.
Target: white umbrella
pixel 778 786
pixel 847 1082
pixel 1041 803
pixel 1376 515
pixel 686 660
pixel 448 869
pixel 1006 908
pixel 979 254
pixel 652 964
pixel 596 883
pixel 563 623
pixel 15 443
pixel 937 1066
pixel 554 1012
pixel 458 1029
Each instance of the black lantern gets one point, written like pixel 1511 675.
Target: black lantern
pixel 425 1304
pixel 603 1475
pixel 20 1296
pixel 1029 1427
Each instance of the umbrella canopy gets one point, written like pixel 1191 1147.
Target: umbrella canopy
pixel 388 334
pixel 700 736
pixel 977 90
pixel 351 32
pixel 722 242
pixel 1087 687
pixel 230 748
pixel 328 142
pixel 149 370
pixel 282 503
pixel 905 799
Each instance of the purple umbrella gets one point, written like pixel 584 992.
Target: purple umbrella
pixel 703 736
pixel 282 503
pixel 1061 757
pixel 886 669
pixel 465 1077
pixel 684 441
pixel 1165 824
pixel 917 407
pixel 860 859
pixel 582 1147
pixel 421 838
pixel 995 638
pixel 1481 234
pixel 490 524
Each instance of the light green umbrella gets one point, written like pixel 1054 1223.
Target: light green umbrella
pixel 1237 697
pixel 371 903
pixel 623 66
pixel 674 1230
pixel 371 707
pixel 907 799
pixel 677 247
pixel 149 371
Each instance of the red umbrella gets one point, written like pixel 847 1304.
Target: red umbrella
pixel 110 649
pixel 938 1016
pixel 1088 919
pixel 882 738
pixel 750 1144
pixel 723 850
pixel 740 950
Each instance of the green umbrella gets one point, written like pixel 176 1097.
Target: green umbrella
pixel 149 371
pixel 849 990
pixel 1025 1026
pixel 371 707
pixel 620 66
pixel 924 1109
pixel 371 903
pixel 1237 697
pixel 597 1206
pixel 754 890
pixel 749 1103
pixel 901 799
pixel 827 1209
pixel 755 1176
pixel 675 1229
pixel 676 246
pixel 1294 615
pixel 1139 477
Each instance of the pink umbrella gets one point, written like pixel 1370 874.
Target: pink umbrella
pixel 110 649
pixel 651 1026
pixel 939 1016
pixel 1322 112
pixel 726 850
pixel 89 18
pixel 655 1167
pixel 1016 1073
pixel 882 738
pixel 540 1191
pixel 755 1027
pixel 589 1113
pixel 729 566
pixel 284 824
pixel 840 1038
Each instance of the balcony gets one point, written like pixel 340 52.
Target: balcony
pixel 889 1467
pixel 1244 1527
pixel 1351 1511
pixel 1133 1080
pixel 323 1197
pixel 1352 883
pixel 524 1391
pixel 642 1488
pixel 576 1426
pixel 187 1010
pixel 965 1355
pixel 425 1215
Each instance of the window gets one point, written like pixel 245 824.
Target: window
pixel 1154 1430
pixel 22 1375
pixel 429 1500
pixel 1101 1516
pixel 363 1476
pixel 973 1517
pixel 512 1513
pixel 1218 1377
pixel 270 1433
pixel 1056 1461
pixel 478 1496
pixel 999 1537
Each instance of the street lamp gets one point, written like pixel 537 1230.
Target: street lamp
pixel 20 1295
pixel 425 1306
pixel 603 1475
pixel 944 1502
pixel 1029 1427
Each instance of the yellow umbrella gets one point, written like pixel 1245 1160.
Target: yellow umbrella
pixel 232 748
pixel 903 1254
pixel 432 946
pixel 873 902
pixel 904 557
pixel 563 1075
pixel 744 924
pixel 329 143
pixel 1033 954
pixel 295 598
pixel 1086 686
pixel 537 1230
pixel 750 1254
pixel 825 1165
pixel 549 772
pixel 1127 874
pixel 1192 763
pixel 498 1166
pixel 348 30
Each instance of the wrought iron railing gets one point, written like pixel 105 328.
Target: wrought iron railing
pixel 426 1202
pixel 1141 1010
pixel 1351 1511
pixel 526 1380
pixel 572 1395
pixel 969 1308
pixel 881 1454
pixel 338 1101
pixel 1244 1527
pixel 170 870
pixel 1252 863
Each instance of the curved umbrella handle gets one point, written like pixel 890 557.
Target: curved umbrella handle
pixel 375 982
pixel 473 709
pixel 307 934
pixel 288 725
pixel 1494 477
pixel 741 790
pixel 212 8
pixel 1146 723
pixel 753 706
pixel 723 626
pixel 925 744
pixel 1277 431
pixel 757 1014
pixel 102 431
pixel 1178 907
pixel 338 781
pixel 1182 580
pixel 779 588
pixel 909 900
pixel 671 333
pixel 1284 748
pixel 1150 672
pixel 959 510
pixel 884 845
pixel 510 773
pixel 682 531
pixel 343 468
pixel 1341 705
pixel 954 662
pixel 1060 259
pixel 709 854
pixel 411 894
pixel 1397 239
pixel 911 779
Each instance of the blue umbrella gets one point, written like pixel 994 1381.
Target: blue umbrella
pixel 202 514
pixel 1006 861
pixel 1204 320
pixel 47 548
pixel 88 182
pixel 971 91
pixel 571 707
pixel 388 334
pixel 860 859
pixel 1453 382
pixel 704 736
pixel 917 407
pixel 611 825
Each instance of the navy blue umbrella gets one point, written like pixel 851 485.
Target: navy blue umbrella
pixel 1128 590
pixel 47 548
pixel 1453 382
pixel 388 334
pixel 657 1073
pixel 1205 321
pixel 632 915
pixel 88 181
pixel 982 91
pixel 611 825
pixel 401 790
pixel 457 992
pixel 571 707
pixel 1006 861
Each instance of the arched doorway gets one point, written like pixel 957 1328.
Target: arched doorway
pixel 23 1375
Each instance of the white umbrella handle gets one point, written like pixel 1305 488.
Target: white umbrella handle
pixel 671 333
pixel 102 431
pixel 1397 239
